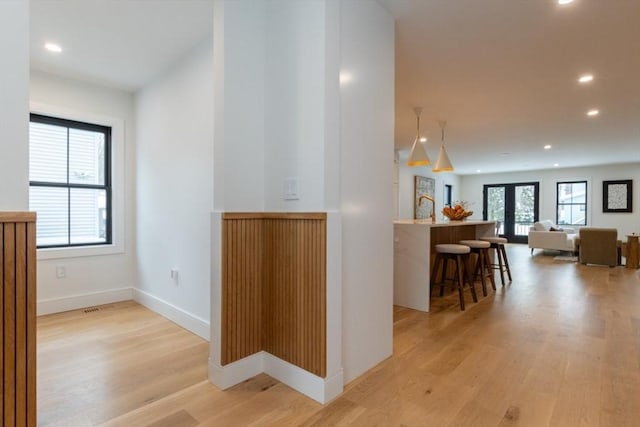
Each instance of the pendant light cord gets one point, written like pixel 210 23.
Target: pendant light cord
pixel 418 111
pixel 443 124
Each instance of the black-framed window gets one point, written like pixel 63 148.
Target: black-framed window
pixel 70 182
pixel 448 191
pixel 571 203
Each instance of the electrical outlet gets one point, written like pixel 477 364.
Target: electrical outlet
pixel 174 276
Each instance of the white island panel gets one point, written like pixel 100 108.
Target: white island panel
pixel 412 257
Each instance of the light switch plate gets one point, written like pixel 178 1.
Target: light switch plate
pixel 291 189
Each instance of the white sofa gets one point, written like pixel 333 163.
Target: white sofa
pixel 541 236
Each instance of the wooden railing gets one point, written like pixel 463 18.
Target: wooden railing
pixel 274 287
pixel 18 318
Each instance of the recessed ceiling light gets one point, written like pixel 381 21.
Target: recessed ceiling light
pixel 586 78
pixel 563 2
pixel 53 47
pixel 479 170
pixel 547 147
pixel 555 165
pixel 593 112
pixel 423 139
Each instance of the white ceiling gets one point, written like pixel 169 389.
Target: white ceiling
pixel 501 72
pixel 119 43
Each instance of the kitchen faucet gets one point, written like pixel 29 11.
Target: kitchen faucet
pixel 433 205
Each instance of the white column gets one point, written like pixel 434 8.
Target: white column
pixel 14 105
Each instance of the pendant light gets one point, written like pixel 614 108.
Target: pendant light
pixel 443 164
pixel 418 156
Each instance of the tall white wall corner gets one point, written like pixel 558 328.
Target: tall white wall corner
pixel 366 193
pixel 334 293
pixel 215 348
pixel 14 105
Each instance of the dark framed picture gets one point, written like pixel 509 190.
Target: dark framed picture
pixel 617 196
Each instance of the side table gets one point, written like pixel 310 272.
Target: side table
pixel 633 251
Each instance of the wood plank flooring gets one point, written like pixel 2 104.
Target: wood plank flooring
pixel 560 346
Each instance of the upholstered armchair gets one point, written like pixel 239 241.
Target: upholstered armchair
pixel 599 246
pixel 544 235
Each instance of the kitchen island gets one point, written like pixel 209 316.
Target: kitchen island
pixel 414 243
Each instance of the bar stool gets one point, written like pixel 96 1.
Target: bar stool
pixel 460 255
pixel 483 264
pixel 498 243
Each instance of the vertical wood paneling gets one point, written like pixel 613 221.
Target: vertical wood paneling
pixel 2 321
pixel 274 288
pixel 21 323
pixel 9 324
pixel 31 323
pixel 241 292
pixel 17 321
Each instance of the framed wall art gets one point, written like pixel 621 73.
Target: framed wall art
pixel 617 196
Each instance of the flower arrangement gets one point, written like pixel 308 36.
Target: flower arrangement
pixel 457 212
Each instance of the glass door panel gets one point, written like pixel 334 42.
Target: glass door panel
pixel 514 207
pixel 525 208
pixel 495 207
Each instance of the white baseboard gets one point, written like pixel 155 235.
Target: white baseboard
pixel 319 389
pixel 322 390
pixel 185 319
pixel 234 373
pixel 74 302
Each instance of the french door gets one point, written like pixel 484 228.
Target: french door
pixel 514 207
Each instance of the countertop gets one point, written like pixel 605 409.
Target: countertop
pixel 440 222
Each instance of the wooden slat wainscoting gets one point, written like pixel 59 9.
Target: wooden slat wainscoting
pixel 449 235
pixel 18 319
pixel 242 288
pixel 274 287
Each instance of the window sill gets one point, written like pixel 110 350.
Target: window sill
pixel 76 252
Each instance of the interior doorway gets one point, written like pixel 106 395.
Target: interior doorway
pixel 513 206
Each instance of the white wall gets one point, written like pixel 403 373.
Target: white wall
pixel 269 62
pixel 406 189
pixel 294 119
pixel 99 278
pixel 174 176
pixel 367 121
pixel 14 105
pixel 239 114
pixel 626 223
pixel 337 141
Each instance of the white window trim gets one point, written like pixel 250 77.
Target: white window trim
pixel 117 182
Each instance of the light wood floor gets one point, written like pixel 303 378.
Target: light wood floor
pixel 559 346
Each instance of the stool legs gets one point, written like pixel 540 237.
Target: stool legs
pixel 434 273
pixel 500 263
pixel 463 264
pixel 483 268
pixel 506 260
pixel 503 262
pixel 462 275
pixel 488 269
